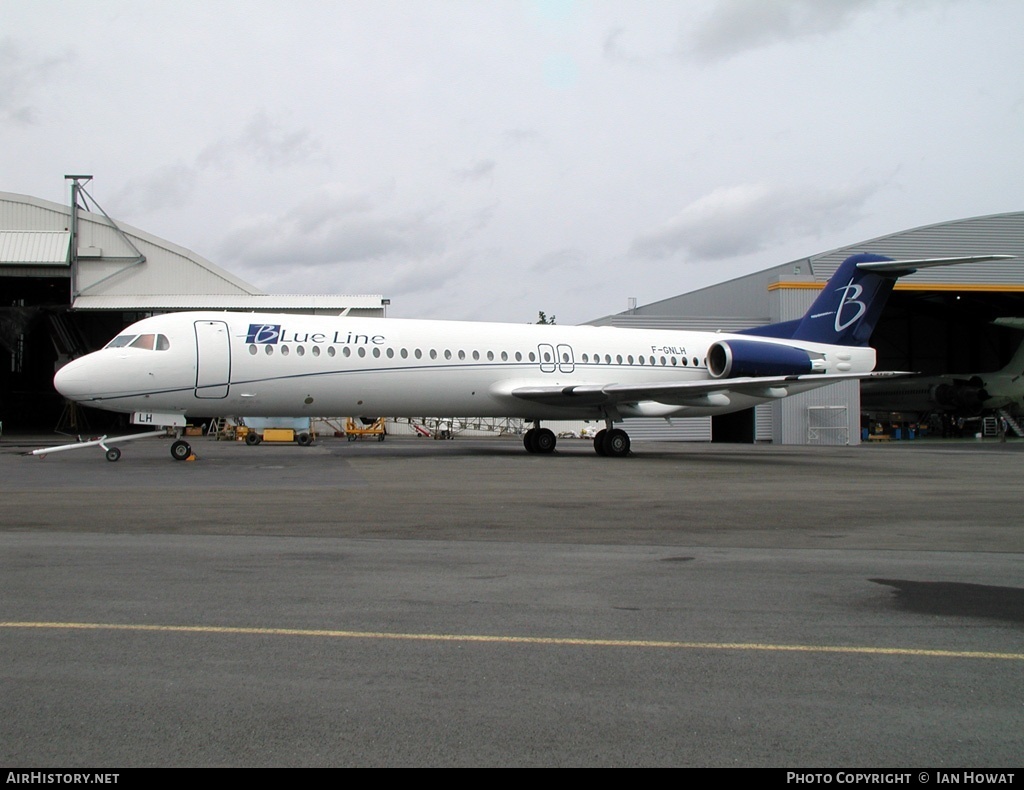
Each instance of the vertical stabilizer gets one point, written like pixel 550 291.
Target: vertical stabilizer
pixel 848 307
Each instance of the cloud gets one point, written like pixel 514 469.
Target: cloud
pixel 566 261
pixel 746 218
pixel 736 26
pixel 20 75
pixel 265 141
pixel 482 170
pixel 333 229
pixel 165 188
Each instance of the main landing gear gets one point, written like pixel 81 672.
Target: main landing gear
pixel 610 442
pixel 539 440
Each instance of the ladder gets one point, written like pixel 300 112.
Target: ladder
pixel 221 428
pixel 1011 422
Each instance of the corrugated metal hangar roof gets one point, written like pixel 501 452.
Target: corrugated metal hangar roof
pixel 263 302
pixel 118 267
pixel 34 247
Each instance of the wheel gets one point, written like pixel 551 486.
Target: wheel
pixel 252 438
pixel 113 454
pixel 180 450
pixel 304 440
pixel 381 438
pixel 544 441
pixel 529 440
pixel 616 443
pixel 599 442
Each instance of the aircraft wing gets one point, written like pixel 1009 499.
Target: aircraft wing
pixel 702 393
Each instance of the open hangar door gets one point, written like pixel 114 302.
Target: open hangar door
pixel 27 351
pixel 947 331
pixel 38 333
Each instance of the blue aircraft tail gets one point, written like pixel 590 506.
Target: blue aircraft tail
pixel 846 310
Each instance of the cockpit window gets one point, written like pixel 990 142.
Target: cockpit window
pixel 150 342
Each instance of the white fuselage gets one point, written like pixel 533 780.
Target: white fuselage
pixel 237 364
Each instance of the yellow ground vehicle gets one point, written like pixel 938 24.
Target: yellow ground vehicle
pixel 355 430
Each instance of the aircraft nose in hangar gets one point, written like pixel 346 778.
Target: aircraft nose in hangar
pixel 72 381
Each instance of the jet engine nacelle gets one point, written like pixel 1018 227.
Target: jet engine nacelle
pixel 733 358
pixel 966 397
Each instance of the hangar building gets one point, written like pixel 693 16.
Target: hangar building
pixel 936 321
pixel 71 278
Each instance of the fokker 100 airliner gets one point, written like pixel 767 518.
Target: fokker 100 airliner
pixel 219 364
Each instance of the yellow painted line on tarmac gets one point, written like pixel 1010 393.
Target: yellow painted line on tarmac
pixel 519 640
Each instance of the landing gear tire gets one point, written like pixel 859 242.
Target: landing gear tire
pixel 113 454
pixel 616 443
pixel 252 438
pixel 181 450
pixel 540 441
pixel 545 441
pixel 599 442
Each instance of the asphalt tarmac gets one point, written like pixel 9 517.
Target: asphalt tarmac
pixel 463 603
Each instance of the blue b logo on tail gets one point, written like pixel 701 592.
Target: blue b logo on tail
pixel 851 295
pixel 853 307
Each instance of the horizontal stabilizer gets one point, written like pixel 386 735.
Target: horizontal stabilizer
pixel 908 267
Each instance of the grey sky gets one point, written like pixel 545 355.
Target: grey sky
pixel 487 160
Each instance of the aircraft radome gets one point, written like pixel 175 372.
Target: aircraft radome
pixel 222 364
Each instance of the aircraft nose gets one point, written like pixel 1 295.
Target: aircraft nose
pixel 72 380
